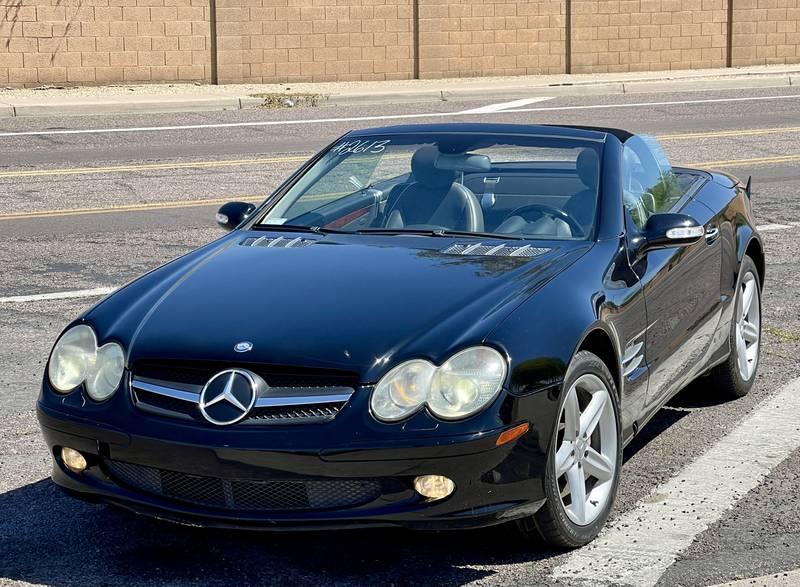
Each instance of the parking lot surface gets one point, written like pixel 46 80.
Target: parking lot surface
pixel 89 203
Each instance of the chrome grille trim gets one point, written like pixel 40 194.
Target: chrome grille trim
pixel 187 396
pixel 491 250
pixel 292 398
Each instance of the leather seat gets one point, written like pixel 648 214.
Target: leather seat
pixel 432 198
pixel 582 205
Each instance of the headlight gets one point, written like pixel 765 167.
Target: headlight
pixel 107 373
pixel 76 359
pixel 467 382
pixel 462 386
pixel 402 391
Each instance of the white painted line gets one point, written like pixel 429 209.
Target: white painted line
pixel 638 546
pixel 777 226
pixel 785 579
pixel 59 295
pixel 505 105
pixel 769 227
pixel 383 117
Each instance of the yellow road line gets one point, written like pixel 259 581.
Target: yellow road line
pixel 152 166
pixel 743 162
pixel 257 198
pixel 730 133
pixel 126 208
pixel 208 164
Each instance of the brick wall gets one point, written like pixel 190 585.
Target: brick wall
pixel 319 40
pixel 644 35
pixel 103 41
pixel 765 32
pixel 491 37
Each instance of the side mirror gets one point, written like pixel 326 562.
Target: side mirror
pixel 233 214
pixel 670 230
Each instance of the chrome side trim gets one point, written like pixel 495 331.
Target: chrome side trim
pixel 632 358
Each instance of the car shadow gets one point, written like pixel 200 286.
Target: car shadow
pixel 50 538
pixel 698 394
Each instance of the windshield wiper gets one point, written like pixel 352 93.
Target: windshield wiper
pixel 299 228
pixel 439 232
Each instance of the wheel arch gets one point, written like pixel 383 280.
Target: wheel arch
pixel 599 341
pixel 755 251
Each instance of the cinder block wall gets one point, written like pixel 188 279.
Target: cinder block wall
pixel 491 37
pixel 765 32
pixel 645 35
pixel 314 40
pixel 105 41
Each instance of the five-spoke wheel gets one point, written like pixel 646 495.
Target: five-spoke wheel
pixel 748 326
pixel 586 449
pixel 736 375
pixel 585 456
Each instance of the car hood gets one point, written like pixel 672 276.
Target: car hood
pixel 354 303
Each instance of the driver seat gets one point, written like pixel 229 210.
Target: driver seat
pixel 432 198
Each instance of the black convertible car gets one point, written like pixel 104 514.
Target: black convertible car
pixel 442 326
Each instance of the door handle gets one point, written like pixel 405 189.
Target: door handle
pixel 712 232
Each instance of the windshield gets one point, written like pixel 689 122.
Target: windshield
pixel 531 187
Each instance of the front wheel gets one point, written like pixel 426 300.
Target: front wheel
pixel 585 458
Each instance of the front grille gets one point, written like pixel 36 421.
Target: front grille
pixel 286 395
pixel 162 403
pixel 197 373
pixel 245 494
pixel 305 413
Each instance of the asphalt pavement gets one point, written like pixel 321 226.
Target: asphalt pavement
pixel 91 202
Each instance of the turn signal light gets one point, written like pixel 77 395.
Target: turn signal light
pixel 512 434
pixel 434 486
pixel 73 460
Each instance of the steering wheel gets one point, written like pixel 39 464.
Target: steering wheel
pixel 544 210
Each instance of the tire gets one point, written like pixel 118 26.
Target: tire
pixel 560 524
pixel 729 378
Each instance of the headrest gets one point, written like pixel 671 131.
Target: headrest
pixel 424 171
pixel 588 166
pixel 464 162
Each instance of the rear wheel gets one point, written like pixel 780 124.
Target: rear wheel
pixel 585 458
pixel 736 375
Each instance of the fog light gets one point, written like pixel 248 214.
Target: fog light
pixel 434 486
pixel 73 460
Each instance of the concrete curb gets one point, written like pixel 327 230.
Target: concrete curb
pixel 498 91
pixel 117 106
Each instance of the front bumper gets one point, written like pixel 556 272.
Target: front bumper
pixel 493 484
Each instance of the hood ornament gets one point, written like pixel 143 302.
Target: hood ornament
pixel 243 347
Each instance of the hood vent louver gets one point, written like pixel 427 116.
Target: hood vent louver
pixel 278 242
pixel 492 250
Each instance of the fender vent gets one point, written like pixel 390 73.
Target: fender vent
pixel 279 242
pixel 494 250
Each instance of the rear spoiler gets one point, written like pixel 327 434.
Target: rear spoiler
pixel 747 187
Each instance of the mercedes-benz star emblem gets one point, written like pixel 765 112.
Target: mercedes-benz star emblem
pixel 228 397
pixel 243 347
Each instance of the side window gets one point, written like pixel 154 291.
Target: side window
pixel 649 184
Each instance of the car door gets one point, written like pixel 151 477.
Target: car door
pixel 681 284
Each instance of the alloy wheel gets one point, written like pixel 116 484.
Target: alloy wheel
pixel 748 326
pixel 586 450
